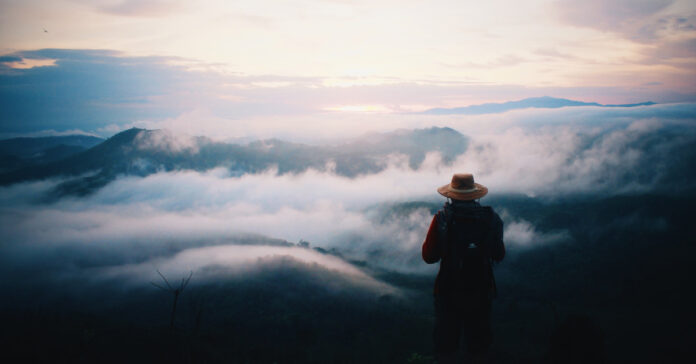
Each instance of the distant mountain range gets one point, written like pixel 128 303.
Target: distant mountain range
pixel 17 152
pixel 142 152
pixel 545 102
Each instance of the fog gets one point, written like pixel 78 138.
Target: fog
pixel 185 220
pixel 234 260
pixel 593 201
pixel 336 126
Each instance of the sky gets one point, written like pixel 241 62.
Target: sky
pixel 317 71
pixel 99 66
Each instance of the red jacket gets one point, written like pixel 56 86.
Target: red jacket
pixel 432 246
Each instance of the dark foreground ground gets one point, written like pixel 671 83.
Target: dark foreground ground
pixel 617 290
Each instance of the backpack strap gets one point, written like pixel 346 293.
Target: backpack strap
pixel 444 220
pixel 490 217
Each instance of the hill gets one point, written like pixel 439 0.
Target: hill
pixel 17 152
pixel 142 152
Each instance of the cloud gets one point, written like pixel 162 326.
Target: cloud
pixel 10 63
pixel 553 52
pixel 9 59
pixel 46 133
pixel 138 8
pixel 667 26
pixel 85 90
pixel 506 60
pixel 669 36
pixel 604 154
pixel 230 228
pixel 101 91
pixel 335 127
pixel 630 18
pixel 167 141
pixel 235 260
pixel 680 54
pixel 523 234
pixel 85 243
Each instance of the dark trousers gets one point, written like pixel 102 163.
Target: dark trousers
pixel 458 315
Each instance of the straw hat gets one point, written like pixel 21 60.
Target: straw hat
pixel 463 187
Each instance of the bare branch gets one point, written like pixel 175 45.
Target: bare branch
pixel 158 286
pixel 165 279
pixel 185 283
pixel 176 292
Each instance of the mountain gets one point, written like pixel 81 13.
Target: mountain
pixel 18 152
pixel 142 152
pixel 545 102
pixel 414 143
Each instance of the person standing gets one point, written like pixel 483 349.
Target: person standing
pixel 467 239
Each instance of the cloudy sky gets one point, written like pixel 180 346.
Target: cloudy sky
pixel 101 65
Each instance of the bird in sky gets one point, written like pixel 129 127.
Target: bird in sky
pixel 45 31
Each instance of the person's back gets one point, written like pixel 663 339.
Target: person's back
pixel 466 238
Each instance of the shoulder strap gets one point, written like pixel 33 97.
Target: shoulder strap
pixel 444 221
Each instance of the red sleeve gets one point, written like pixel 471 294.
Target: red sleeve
pixel 431 251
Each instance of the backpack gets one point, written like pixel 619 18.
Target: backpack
pixel 466 263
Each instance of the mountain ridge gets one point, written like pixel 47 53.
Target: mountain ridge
pixel 22 151
pixel 141 152
pixel 544 102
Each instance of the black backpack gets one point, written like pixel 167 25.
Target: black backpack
pixel 466 262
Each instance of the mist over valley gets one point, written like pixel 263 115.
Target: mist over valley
pixel 314 248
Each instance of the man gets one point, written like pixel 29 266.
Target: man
pixel 466 238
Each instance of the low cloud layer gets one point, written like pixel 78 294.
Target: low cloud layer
pixel 167 141
pixel 220 224
pixel 168 212
pixel 214 263
pixel 521 233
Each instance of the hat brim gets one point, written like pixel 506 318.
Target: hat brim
pixel 480 191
